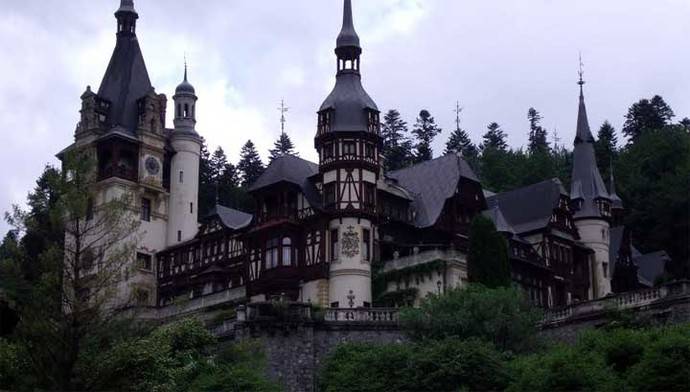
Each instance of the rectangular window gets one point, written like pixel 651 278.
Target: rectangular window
pixel 181 176
pixel 191 208
pixel 146 210
pixel 144 261
pixel 328 150
pixel 335 251
pixel 89 209
pixel 271 253
pixel 330 193
pixel 349 148
pixel 369 151
pixel 179 235
pixel 369 193
pixel 366 243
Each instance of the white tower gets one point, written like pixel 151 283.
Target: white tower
pixel 184 166
pixel 348 141
pixel 591 202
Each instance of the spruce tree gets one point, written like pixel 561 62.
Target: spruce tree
pixel 605 147
pixel 207 182
pixel 537 135
pixel 282 146
pixel 494 138
pixel 425 130
pixel 397 148
pixel 250 165
pixel 487 261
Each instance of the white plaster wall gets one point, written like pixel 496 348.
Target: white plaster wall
pixel 310 292
pixel 595 234
pixel 350 273
pixel 186 160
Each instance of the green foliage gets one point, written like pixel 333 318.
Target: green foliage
pixel 652 178
pixel 502 316
pixel 647 115
pixel 494 138
pixel 404 297
pixel 424 130
pixel 487 261
pixel 397 147
pixel 250 165
pixel 537 134
pixel 446 365
pixel 606 148
pixel 282 146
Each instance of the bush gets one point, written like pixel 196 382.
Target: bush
pixel 665 364
pixel 501 316
pixel 446 365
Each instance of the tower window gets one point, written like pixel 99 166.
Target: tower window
pixel 191 208
pixel 366 244
pixel 179 235
pixel 334 245
pixel 144 261
pixel 287 251
pixel 330 193
pixel 179 109
pixel 186 110
pixel 271 254
pixel 146 210
pixel 349 148
pixel 181 176
pixel 89 209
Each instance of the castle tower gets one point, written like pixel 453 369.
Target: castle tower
pixel 591 202
pixel 184 166
pixel 348 142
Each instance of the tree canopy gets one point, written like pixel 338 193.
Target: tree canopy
pixel 424 130
pixel 250 165
pixel 282 146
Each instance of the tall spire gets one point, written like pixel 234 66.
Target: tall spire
pixel 584 134
pixel 126 79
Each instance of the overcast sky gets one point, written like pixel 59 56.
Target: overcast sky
pixel 496 57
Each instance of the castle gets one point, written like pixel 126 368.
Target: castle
pixel 320 227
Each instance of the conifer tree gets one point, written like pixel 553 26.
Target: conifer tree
pixel 425 130
pixel 487 261
pixel 397 148
pixel 494 138
pixel 647 115
pixel 605 148
pixel 282 146
pixel 537 135
pixel 250 166
pixel 207 182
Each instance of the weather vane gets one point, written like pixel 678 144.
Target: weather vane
pixel 457 112
pixel 556 139
pixel 283 109
pixel 581 72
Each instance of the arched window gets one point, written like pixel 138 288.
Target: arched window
pixel 186 111
pixel 179 109
pixel 287 251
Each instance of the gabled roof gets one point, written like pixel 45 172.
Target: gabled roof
pixel 502 226
pixel 531 207
pixel 126 79
pixel 651 265
pixel 294 170
pixel 432 183
pixel 349 100
pixel 230 217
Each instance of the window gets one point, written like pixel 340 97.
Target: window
pixel 605 268
pixel 271 254
pixel 369 151
pixel 330 193
pixel 287 251
pixel 146 210
pixel 328 150
pixel 349 148
pixel 369 193
pixel 142 297
pixel 89 209
pixel 144 261
pixel 335 304
pixel 179 235
pixel 191 208
pixel 181 176
pixel 87 258
pixel 366 244
pixel 335 251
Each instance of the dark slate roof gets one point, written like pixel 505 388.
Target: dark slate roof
pixel 531 207
pixel 348 36
pixel 292 169
pixel 349 100
pixel 586 180
pixel 126 79
pixel 231 218
pixel 496 216
pixel 185 87
pixel 615 199
pixel 651 265
pixel 432 183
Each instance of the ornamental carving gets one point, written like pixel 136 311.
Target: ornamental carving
pixel 350 242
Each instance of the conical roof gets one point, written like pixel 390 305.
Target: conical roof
pixel 348 36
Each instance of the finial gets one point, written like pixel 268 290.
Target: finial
pixel 185 66
pixel 126 6
pixel 283 109
pixel 348 35
pixel 457 111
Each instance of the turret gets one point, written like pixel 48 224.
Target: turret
pixel 348 141
pixel 591 202
pixel 184 172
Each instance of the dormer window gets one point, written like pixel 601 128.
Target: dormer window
pixel 373 121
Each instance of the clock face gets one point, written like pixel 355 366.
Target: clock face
pixel 152 165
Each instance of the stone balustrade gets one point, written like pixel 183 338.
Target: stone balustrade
pixel 362 315
pixel 424 256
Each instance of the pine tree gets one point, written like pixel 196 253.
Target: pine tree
pixel 605 148
pixel 647 115
pixel 537 135
pixel 250 165
pixel 425 130
pixel 494 138
pixel 487 261
pixel 282 146
pixel 397 148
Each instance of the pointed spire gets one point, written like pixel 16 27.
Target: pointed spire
pixel 127 6
pixel 185 87
pixel 185 67
pixel 348 36
pixel 584 134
